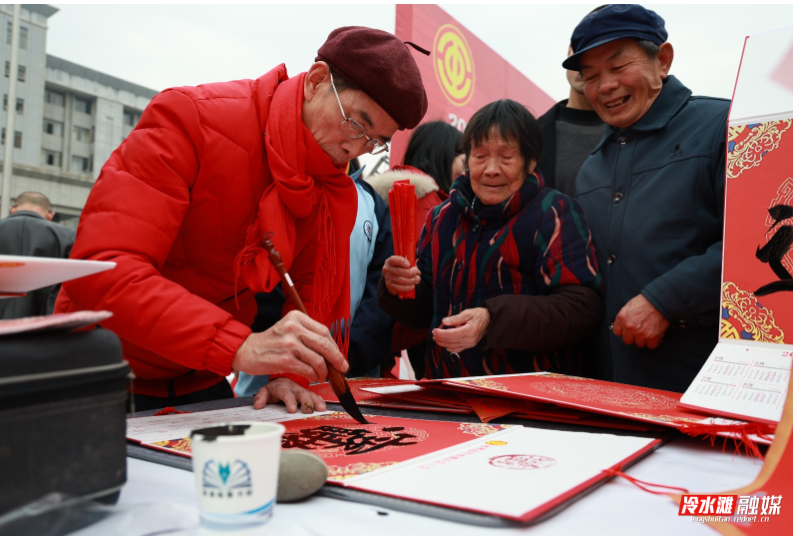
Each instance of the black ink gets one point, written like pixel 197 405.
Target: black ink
pixel 351 441
pixel 775 249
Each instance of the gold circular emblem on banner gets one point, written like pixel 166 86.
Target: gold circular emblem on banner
pixel 454 65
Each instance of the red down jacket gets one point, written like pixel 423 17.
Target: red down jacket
pixel 171 207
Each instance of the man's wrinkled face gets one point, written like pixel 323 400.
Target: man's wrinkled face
pixel 322 117
pixel 621 81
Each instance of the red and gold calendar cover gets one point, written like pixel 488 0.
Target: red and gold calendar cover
pixel 758 232
pixel 658 407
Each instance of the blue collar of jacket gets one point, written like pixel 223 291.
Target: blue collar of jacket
pixel 673 97
pixel 464 201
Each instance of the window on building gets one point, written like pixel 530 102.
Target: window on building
pixel 81 164
pixel 82 134
pixel 20 104
pixel 129 118
pixel 53 127
pixel 56 98
pixel 82 105
pixel 52 158
pixel 23 35
pixel 17 138
pixel 21 71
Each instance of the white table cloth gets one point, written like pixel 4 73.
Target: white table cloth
pixel 160 500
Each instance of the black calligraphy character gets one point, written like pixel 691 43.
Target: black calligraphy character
pixel 351 441
pixel 775 249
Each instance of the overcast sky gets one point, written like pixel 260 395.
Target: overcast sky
pixel 159 46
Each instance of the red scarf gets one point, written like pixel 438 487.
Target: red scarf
pixel 304 180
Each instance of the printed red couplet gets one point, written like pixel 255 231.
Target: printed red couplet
pixel 403 202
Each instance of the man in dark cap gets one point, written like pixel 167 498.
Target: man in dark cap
pixel 184 204
pixel 653 192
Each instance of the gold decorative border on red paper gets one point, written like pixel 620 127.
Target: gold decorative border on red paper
pixel 480 430
pixel 659 417
pixel 345 472
pixel 484 383
pixel 748 144
pixel 743 317
pixel 181 445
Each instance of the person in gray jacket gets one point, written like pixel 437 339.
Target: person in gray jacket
pixel 29 231
pixel 653 192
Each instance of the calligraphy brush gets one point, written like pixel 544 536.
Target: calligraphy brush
pixel 338 382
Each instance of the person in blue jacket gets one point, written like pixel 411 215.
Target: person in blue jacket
pixel 653 192
pixel 370 245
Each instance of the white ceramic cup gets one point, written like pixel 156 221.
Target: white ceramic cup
pixel 235 467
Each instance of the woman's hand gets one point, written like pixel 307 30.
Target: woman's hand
pixel 463 331
pixel 292 394
pixel 399 276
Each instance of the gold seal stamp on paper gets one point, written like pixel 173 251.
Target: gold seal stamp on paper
pixel 454 65
pixel 496 443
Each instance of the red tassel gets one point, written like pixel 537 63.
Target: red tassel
pixel 743 430
pixel 169 410
pixel 617 471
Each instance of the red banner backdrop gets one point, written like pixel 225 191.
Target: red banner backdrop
pixel 462 74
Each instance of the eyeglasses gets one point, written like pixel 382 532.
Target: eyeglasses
pixel 354 130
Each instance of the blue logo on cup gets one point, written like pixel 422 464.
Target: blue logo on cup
pixel 226 480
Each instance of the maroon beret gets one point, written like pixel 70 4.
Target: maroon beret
pixel 380 64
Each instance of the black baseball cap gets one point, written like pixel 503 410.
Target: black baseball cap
pixel 613 22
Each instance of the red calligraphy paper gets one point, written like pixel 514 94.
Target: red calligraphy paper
pixel 758 214
pixel 351 449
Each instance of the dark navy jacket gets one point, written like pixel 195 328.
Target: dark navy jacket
pixel 653 194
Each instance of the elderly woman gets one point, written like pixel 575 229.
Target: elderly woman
pixel 506 275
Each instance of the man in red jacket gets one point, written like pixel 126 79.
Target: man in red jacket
pixel 184 204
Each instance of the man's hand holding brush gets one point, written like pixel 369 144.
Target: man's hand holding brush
pixel 296 344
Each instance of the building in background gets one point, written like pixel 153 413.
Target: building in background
pixel 69 118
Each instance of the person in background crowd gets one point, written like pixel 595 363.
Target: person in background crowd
pixel 653 191
pixel 506 276
pixel 184 204
pixel 570 130
pixel 30 232
pixel 370 338
pixel 432 161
